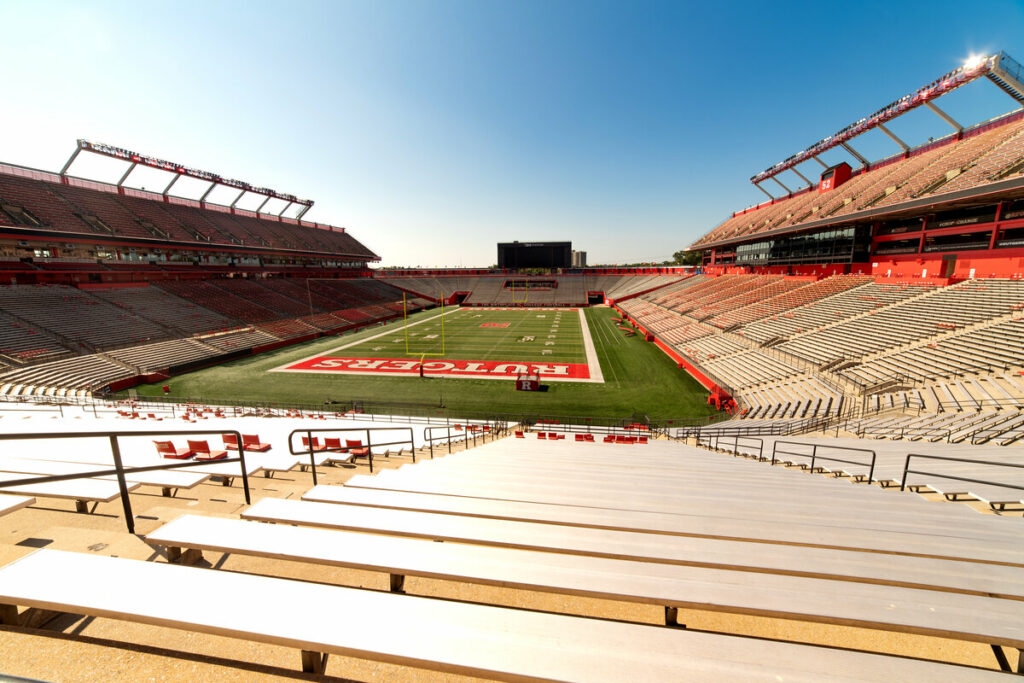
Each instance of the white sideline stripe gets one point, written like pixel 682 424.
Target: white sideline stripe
pixel 588 343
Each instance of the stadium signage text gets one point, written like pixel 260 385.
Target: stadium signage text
pixel 446 368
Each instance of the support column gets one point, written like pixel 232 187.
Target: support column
pixel 9 615
pixel 945 117
pixel 770 195
pixel 903 145
pixel 855 153
pixel 313 662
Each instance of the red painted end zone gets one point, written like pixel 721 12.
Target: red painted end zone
pixel 495 324
pixel 448 368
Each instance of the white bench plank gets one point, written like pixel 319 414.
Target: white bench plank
pixel 9 504
pixel 910 610
pixel 954 525
pixel 970 577
pixel 442 635
pixel 78 489
pixel 169 478
pixel 549 537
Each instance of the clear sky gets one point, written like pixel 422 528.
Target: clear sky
pixel 433 130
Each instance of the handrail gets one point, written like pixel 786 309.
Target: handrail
pixel 119 469
pixel 814 455
pixel 467 431
pixel 369 445
pixel 714 440
pixel 907 470
pixel 470 430
pixel 406 411
pixel 903 431
pixel 431 439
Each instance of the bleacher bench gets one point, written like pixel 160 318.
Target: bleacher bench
pixel 977 618
pixel 445 636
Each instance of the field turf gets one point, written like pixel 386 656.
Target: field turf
pixel 470 334
pixel 638 378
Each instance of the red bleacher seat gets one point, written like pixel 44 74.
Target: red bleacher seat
pixel 252 443
pixel 201 451
pixel 167 449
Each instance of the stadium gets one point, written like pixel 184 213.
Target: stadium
pixel 258 455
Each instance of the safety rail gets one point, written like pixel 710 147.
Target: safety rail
pixel 815 456
pixel 457 431
pixel 936 434
pixel 715 442
pixel 119 469
pixel 907 471
pixel 369 445
pixel 357 409
pixel 776 428
pixel 587 428
pixel 978 404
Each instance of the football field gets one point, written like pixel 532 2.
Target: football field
pixel 472 342
pixel 588 366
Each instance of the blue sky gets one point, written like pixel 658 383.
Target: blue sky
pixel 434 130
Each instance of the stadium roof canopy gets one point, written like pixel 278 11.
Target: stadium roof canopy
pixel 135 159
pixel 999 68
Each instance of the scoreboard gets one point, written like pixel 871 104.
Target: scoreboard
pixel 534 255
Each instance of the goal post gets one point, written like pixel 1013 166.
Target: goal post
pixel 411 350
pixel 525 290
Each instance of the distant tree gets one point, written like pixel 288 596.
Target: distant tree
pixel 686 258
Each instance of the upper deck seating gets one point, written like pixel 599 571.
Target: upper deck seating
pixel 93 208
pixel 949 165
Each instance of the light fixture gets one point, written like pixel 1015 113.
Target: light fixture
pixel 974 61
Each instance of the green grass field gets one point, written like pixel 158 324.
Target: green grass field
pixel 531 335
pixel 638 378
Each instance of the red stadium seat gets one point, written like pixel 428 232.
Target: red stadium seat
pixel 201 451
pixel 167 449
pixel 252 443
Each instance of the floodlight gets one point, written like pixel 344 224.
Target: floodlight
pixel 975 61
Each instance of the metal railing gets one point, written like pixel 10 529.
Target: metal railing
pixel 369 445
pixel 907 471
pixel 815 456
pixel 936 434
pixel 463 432
pixel 119 469
pixel 748 443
